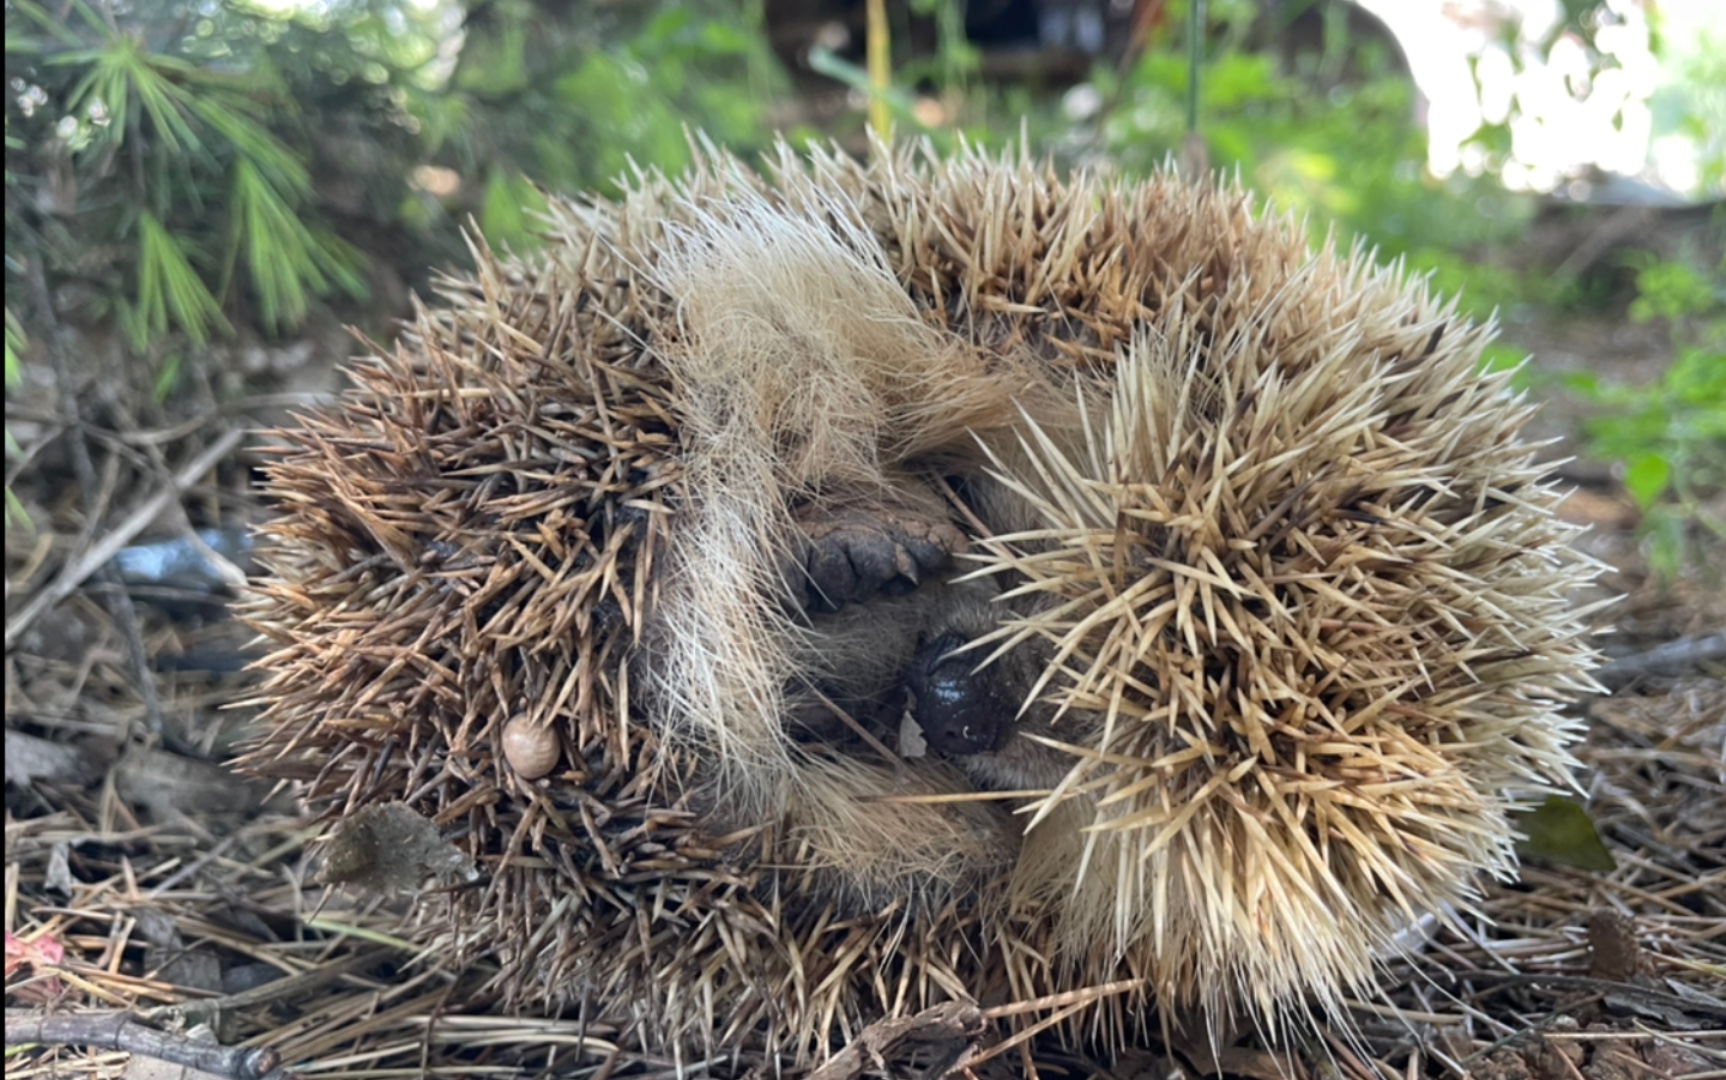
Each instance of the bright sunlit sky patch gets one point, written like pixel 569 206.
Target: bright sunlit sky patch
pixel 1561 121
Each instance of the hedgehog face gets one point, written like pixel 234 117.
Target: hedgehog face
pixel 986 717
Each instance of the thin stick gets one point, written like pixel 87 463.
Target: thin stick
pixel 1668 659
pixel 104 550
pixel 119 602
pixel 121 1031
pixel 1082 996
pixel 861 731
pixel 1195 61
pixel 880 69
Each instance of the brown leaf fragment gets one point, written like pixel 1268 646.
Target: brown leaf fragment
pixel 1674 1059
pixel 1502 1065
pixel 390 848
pixel 58 877
pixel 1614 952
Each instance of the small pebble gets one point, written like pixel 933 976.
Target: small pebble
pixel 530 748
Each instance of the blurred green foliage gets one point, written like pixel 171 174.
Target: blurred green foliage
pixel 192 168
pixel 572 106
pixel 125 150
pixel 15 342
pixel 1669 435
pixel 1350 155
pixel 189 171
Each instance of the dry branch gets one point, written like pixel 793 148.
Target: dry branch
pixel 103 551
pixel 1671 658
pixel 122 1031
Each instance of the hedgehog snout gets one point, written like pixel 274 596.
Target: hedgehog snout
pixel 961 710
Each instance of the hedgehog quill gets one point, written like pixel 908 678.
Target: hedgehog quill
pixel 1230 603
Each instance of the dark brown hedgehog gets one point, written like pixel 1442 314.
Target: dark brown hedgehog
pixel 623 567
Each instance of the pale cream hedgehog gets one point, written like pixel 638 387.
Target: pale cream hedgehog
pixel 656 570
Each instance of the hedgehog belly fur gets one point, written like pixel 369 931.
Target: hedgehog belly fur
pixel 1271 591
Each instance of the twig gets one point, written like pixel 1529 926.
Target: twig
pixel 119 603
pixel 1667 659
pixel 952 1028
pixel 1085 996
pixel 122 1031
pixel 272 991
pixel 194 866
pixel 100 553
pixel 1586 984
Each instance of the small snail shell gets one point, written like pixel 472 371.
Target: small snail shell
pixel 530 748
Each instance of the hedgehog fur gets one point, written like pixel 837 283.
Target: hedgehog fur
pixel 1225 545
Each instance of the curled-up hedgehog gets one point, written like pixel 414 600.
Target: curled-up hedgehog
pixel 811 595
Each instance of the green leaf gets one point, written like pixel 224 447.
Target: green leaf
pixel 132 323
pixel 122 70
pixel 342 261
pixel 723 39
pixel 167 284
pixel 1664 535
pixel 1646 476
pixel 36 14
pixel 1698 377
pixel 1584 383
pixel 274 241
pixel 1559 830
pixel 254 142
pixel 166 378
pixel 511 202
pixel 666 25
pixel 16 515
pixel 285 260
pixel 15 344
pixel 826 62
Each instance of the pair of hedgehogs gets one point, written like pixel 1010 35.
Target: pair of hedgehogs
pixel 811 595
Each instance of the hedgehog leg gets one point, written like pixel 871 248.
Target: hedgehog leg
pixel 847 553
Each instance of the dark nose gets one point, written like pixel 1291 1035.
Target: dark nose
pixel 961 712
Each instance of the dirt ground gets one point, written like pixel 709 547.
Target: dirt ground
pixel 167 906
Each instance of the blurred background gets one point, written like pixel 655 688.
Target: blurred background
pixel 202 195
pixel 202 192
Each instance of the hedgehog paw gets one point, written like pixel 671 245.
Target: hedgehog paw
pixel 848 554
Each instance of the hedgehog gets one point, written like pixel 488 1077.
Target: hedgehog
pixel 809 594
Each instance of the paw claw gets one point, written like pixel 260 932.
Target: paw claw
pixel 850 554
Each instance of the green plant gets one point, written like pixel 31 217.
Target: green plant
pixel 1669 436
pixel 1674 290
pixel 542 100
pixel 183 176
pixel 956 61
pixel 1352 155
pixel 195 168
